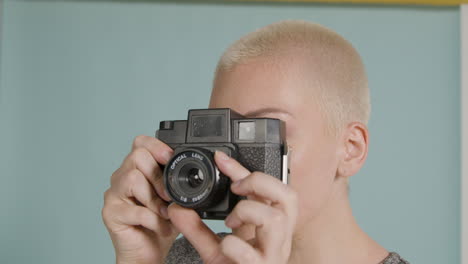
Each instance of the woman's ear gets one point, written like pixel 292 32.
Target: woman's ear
pixel 354 147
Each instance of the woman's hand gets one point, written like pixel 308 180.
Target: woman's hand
pixel 271 207
pixel 135 205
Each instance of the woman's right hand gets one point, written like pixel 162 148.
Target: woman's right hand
pixel 135 205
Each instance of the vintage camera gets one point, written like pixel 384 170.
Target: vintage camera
pixel 191 177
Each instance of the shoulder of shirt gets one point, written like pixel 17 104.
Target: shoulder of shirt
pixel 393 258
pixel 183 252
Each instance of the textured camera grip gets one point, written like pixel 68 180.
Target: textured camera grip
pixel 263 158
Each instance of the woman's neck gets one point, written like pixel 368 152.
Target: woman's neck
pixel 334 237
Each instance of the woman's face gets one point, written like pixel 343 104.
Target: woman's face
pixel 263 89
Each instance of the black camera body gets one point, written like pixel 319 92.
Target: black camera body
pixel 191 177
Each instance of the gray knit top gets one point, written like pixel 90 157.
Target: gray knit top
pixel 182 252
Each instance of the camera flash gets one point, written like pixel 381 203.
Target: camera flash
pixel 247 130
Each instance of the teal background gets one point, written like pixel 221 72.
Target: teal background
pixel 80 79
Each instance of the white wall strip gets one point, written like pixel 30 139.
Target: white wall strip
pixel 1 43
pixel 464 135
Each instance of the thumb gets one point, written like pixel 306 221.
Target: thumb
pixel 188 222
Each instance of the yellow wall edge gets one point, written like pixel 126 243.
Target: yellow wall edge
pixel 397 2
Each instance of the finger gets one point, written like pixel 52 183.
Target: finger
pixel 160 151
pixel 230 167
pixel 141 159
pixel 239 250
pixel 120 216
pixel 269 221
pixel 188 222
pixel 269 188
pixel 234 170
pixel 251 212
pixel 141 189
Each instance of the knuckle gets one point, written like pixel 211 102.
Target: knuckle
pixel 138 141
pixel 243 205
pixel 132 177
pixel 106 213
pixel 239 209
pixel 255 175
pixel 250 180
pixel 256 178
pixel 115 176
pixel 137 154
pixel 110 198
pixel 276 217
pixel 106 195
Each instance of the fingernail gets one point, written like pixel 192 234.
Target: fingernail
pixel 235 184
pixel 167 155
pixel 232 222
pixel 227 221
pixel 166 196
pixel 222 155
pixel 163 212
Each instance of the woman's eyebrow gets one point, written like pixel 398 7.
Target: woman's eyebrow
pixel 266 110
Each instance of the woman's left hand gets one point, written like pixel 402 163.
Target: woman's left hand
pixel 271 207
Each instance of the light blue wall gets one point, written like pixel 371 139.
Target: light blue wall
pixel 80 79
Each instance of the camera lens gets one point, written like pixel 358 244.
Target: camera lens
pixel 195 177
pixel 192 179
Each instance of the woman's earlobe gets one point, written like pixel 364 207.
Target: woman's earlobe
pixel 342 172
pixel 355 147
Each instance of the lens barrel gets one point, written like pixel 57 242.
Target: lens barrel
pixel 192 179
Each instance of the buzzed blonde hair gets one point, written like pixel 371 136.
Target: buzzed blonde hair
pixel 343 93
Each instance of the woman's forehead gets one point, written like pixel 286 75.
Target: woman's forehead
pixel 256 84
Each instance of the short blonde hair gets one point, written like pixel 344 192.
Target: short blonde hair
pixel 343 93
